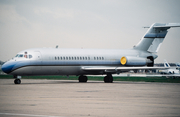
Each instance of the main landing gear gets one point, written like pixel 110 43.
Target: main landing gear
pixel 107 79
pixel 17 79
pixel 83 78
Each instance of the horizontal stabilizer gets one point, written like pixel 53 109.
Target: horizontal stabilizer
pixel 168 25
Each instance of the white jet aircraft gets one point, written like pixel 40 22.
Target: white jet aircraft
pixel 170 70
pixel 82 62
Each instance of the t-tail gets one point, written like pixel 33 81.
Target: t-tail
pixel 154 37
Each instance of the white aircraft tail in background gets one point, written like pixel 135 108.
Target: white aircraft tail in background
pixel 166 64
pixel 170 70
pixel 178 64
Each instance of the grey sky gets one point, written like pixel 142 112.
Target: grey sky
pixel 109 24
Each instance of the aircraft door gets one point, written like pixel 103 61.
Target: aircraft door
pixel 37 55
pixel 38 62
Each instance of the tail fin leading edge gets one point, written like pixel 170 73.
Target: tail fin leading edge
pixel 154 37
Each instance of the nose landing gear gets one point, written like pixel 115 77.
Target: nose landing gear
pixel 17 79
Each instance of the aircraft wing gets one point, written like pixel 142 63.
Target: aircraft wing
pixel 118 69
pixel 172 75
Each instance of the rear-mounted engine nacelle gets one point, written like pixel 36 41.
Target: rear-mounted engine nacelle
pixel 135 61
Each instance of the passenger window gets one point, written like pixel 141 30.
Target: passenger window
pixel 85 58
pixel 77 58
pixel 55 58
pixel 69 58
pixel 80 58
pixel 74 58
pixel 88 58
pixel 30 56
pixel 61 58
pixel 66 58
pixel 94 58
pixel 99 58
pixel 58 58
pixel 102 58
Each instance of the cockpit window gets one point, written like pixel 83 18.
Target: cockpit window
pixel 20 55
pixel 25 56
pixel 17 55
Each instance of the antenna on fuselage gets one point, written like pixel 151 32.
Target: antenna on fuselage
pixel 146 27
pixel 57 46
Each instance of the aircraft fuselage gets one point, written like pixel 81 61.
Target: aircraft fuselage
pixel 52 61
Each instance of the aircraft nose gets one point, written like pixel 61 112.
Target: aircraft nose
pixel 7 67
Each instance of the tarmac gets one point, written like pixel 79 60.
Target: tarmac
pixel 67 98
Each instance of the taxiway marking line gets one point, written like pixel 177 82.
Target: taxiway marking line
pixel 31 115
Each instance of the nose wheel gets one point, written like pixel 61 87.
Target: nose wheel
pixel 17 81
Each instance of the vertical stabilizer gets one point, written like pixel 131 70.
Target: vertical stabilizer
pixel 154 37
pixel 166 64
pixel 178 64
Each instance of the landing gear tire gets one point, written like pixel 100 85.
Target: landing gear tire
pixel 17 81
pixel 108 78
pixel 83 78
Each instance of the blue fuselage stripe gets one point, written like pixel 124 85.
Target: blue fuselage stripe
pixel 155 35
pixel 9 67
